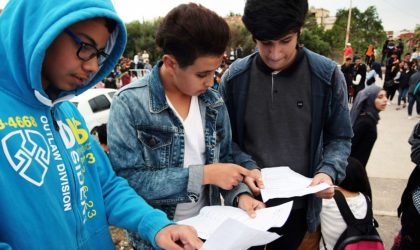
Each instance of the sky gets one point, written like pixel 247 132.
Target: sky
pixel 395 15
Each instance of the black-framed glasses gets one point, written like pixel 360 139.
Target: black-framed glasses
pixel 87 51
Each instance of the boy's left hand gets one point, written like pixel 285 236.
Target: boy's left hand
pixel 178 237
pixel 326 193
pixel 249 204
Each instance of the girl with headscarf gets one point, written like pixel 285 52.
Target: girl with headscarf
pixel 364 117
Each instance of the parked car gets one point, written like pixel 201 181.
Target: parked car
pixel 94 105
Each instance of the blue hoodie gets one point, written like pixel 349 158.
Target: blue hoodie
pixel 57 187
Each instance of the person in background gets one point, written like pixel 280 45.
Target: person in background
pixel 57 187
pixel 145 56
pixel 347 69
pixel 147 65
pixel 414 91
pixel 391 82
pixel 169 134
pixel 348 51
pixel 354 188
pixel 364 116
pixel 409 208
pixel 414 55
pixel 384 57
pixel 110 81
pixel 400 48
pixel 288 107
pixel 403 78
pixel 125 76
pixel 370 54
pixel 359 79
pixel 100 133
pixel 374 73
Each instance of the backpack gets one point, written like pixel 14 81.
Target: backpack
pixel 360 233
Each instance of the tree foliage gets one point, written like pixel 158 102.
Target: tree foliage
pixel 312 37
pixel 365 28
pixel 141 36
pixel 240 37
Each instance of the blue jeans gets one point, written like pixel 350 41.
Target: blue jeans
pixel 411 100
pixel 402 94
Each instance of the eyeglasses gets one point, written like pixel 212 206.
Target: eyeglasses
pixel 87 51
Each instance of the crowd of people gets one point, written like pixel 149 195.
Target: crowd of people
pixel 194 130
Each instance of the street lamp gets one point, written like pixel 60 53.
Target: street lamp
pixel 348 26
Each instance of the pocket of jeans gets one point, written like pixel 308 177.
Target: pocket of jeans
pixel 156 146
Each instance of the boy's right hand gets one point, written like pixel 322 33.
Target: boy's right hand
pixel 225 175
pixel 178 237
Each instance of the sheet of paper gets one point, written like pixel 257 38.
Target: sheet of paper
pixel 282 182
pixel 211 217
pixel 241 237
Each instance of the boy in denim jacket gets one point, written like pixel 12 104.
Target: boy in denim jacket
pixel 169 133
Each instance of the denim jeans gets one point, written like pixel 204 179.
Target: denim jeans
pixel 411 100
pixel 402 94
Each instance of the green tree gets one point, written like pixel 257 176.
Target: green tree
pixel 366 28
pixel 240 36
pixel 141 36
pixel 313 37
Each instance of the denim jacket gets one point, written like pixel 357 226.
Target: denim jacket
pixel 331 130
pixel 146 141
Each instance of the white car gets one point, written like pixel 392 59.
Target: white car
pixel 94 105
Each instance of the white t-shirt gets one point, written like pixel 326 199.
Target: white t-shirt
pixel 332 223
pixel 195 149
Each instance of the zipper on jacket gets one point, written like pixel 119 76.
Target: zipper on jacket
pixel 72 179
pixel 57 128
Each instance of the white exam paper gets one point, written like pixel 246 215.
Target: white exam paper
pixel 282 182
pixel 240 237
pixel 211 217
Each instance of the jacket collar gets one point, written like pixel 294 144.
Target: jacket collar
pixel 322 67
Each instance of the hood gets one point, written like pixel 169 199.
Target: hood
pixel 28 27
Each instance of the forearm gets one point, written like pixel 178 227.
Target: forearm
pixel 156 185
pixel 126 209
pixel 337 133
pixel 242 158
pixel 334 160
pixel 230 195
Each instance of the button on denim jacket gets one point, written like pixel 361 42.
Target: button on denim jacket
pixel 146 141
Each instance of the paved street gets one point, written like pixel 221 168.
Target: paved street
pixel 389 167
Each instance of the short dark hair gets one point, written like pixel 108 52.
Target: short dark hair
pixel 356 178
pixel 189 31
pixel 110 25
pixel 102 134
pixel 273 19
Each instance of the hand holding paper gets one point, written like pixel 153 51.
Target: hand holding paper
pixel 241 237
pixel 282 182
pixel 323 178
pixel 211 217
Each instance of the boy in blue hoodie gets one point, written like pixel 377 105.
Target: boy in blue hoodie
pixel 57 187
